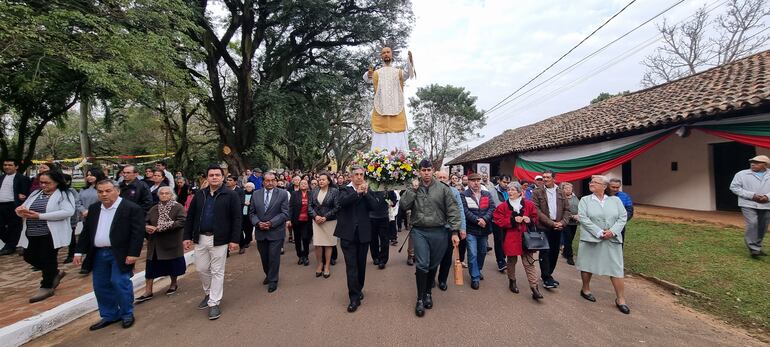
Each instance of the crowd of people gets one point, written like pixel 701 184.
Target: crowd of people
pixel 222 213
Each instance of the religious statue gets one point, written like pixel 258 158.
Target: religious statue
pixel 388 113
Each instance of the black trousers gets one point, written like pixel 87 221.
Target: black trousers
pixel 355 266
pixel 569 236
pixel 247 232
pixel 401 219
pixel 41 254
pixel 497 239
pixel 303 234
pixel 10 225
pixel 380 244
pixel 446 264
pixel 270 254
pixel 549 258
pixel 462 248
pixel 392 230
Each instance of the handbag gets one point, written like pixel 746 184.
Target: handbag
pixel 534 240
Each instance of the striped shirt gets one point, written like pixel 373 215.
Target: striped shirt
pixel 38 227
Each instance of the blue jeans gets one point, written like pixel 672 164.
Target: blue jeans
pixel 477 252
pixel 113 289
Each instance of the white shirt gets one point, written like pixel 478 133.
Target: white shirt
pixel 6 190
pixel 102 238
pixel 551 195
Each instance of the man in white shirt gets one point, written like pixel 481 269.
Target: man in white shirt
pixel 161 165
pixel 112 239
pixel 14 188
pixel 553 213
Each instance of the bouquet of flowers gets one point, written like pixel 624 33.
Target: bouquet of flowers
pixel 389 169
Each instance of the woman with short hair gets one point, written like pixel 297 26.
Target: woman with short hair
pixel 165 253
pixel 600 251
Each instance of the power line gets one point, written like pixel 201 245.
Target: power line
pixel 571 67
pixel 565 54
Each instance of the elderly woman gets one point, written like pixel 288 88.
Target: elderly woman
pixel 165 254
pixel 46 212
pixel 323 209
pixel 569 232
pixel 246 226
pixel 514 217
pixel 602 218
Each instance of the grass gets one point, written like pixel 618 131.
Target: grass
pixel 711 260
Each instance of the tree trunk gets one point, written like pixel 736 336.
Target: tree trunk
pixel 85 111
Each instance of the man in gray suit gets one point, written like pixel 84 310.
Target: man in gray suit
pixel 269 211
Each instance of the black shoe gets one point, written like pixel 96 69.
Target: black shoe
pixel 272 287
pixel 571 261
pixel 172 290
pixel 353 306
pixel 204 303
pixel 6 252
pixel 102 324
pixel 394 243
pixel 548 284
pixel 58 278
pixel 214 312
pixel 128 322
pixel 512 286
pixel 67 260
pixel 327 274
pixel 475 285
pixel 318 274
pixel 143 298
pixel 536 294
pixel 442 286
pixel 84 272
pixel 381 266
pixel 361 298
pixel 622 308
pixel 428 301
pixel 241 250
pixel 306 262
pixel 300 261
pixel 333 262
pixel 419 308
pixel 502 267
pixel 376 262
pixel 590 297
pixel 281 250
pixel 555 282
pixel 265 281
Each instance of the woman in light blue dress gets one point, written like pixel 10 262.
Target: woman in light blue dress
pixel 600 251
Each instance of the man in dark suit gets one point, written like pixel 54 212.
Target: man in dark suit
pixel 553 213
pixel 269 211
pixel 14 188
pixel 134 190
pixel 112 240
pixel 354 231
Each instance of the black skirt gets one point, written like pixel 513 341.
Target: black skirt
pixel 159 268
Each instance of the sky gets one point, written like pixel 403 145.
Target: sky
pixel 491 48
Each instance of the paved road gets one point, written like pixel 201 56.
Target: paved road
pixel 312 311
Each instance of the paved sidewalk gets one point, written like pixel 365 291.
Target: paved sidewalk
pixel 18 283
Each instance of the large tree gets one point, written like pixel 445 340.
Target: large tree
pixel 688 47
pixel 268 50
pixel 444 118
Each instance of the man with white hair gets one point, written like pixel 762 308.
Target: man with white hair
pixel 752 186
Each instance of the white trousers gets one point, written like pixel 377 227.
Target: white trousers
pixel 210 263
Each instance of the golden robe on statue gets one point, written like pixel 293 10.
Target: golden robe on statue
pixel 388 113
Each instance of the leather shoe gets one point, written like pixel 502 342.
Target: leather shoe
pixel 419 308
pixel 272 287
pixel 333 262
pixel 512 286
pixel 428 301
pixel 536 294
pixel 102 324
pixel 622 308
pixel 6 252
pixel 353 306
pixel 442 286
pixel 42 294
pixel 571 261
pixel 57 279
pixel 306 262
pixel 381 266
pixel 475 285
pixel 361 298
pixel 376 262
pixel 265 281
pixel 128 322
pixel 590 297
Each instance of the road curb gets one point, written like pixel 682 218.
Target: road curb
pixel 669 285
pixel 30 328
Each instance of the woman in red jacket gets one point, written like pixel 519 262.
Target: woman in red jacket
pixel 513 217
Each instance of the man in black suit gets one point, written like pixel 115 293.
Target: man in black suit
pixel 132 189
pixel 14 188
pixel 354 231
pixel 269 211
pixel 112 240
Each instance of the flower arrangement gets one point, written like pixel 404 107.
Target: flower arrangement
pixel 389 169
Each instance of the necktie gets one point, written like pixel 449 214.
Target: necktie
pixel 267 199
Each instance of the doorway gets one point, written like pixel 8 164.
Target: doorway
pixel 729 158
